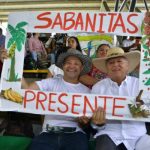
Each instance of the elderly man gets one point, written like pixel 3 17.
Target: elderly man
pixel 118 134
pixel 61 132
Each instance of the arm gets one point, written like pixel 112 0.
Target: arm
pixel 32 85
pixel 88 80
pixel 30 45
pixel 49 74
pixel 97 121
pixel 43 48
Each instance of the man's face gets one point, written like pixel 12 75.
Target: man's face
pixel 72 67
pixel 117 68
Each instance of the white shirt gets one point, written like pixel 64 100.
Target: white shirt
pixel 55 70
pixel 57 84
pixel 127 132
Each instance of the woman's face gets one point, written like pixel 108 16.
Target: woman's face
pixel 37 35
pixel 72 43
pixel 102 51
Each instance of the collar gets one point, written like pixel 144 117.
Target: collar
pixel 124 82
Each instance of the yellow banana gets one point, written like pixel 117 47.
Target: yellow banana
pixel 5 94
pixel 16 96
pixel 12 95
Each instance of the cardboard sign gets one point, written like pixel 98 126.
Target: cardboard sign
pixel 69 104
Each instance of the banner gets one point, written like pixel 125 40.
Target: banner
pixel 13 98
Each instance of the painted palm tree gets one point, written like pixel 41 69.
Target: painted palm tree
pixel 16 41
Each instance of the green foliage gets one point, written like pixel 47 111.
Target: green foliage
pixel 145 47
pixel 10 42
pixel 142 27
pixel 147 82
pixel 146 72
pixel 21 24
pixel 18 35
pixel 143 39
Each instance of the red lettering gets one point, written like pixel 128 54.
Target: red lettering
pixel 74 104
pixel 112 15
pixel 57 21
pixel 90 22
pixel 105 100
pixel 87 102
pixel 119 23
pixel 51 101
pixel 26 97
pixel 79 22
pixel 43 97
pixel 132 24
pixel 115 106
pixel 69 17
pixel 64 104
pixel 101 23
pixel 42 17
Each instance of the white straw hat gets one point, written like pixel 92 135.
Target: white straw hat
pixel 133 57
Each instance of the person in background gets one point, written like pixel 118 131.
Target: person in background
pixel 95 74
pixel 29 35
pixel 62 132
pixel 36 46
pixel 3 55
pixel 73 42
pixel 116 134
pixel 2 39
pixel 2 45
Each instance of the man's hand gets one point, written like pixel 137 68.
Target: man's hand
pixel 83 121
pixel 98 117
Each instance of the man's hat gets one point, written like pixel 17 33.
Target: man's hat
pixel 86 61
pixel 133 57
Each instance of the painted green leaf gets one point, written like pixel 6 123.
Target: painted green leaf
pixel 145 60
pixel 21 24
pixel 22 30
pixel 10 42
pixel 147 82
pixel 20 37
pixel 12 30
pixel 143 39
pixel 146 53
pixel 19 45
pixel 145 46
pixel 146 72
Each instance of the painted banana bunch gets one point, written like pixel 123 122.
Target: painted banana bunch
pixel 12 50
pixel 12 95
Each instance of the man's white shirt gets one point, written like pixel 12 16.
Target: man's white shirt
pixel 127 132
pixel 57 84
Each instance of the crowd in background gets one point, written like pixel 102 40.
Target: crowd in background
pixel 44 53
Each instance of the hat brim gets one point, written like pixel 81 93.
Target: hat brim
pixel 86 61
pixel 133 57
